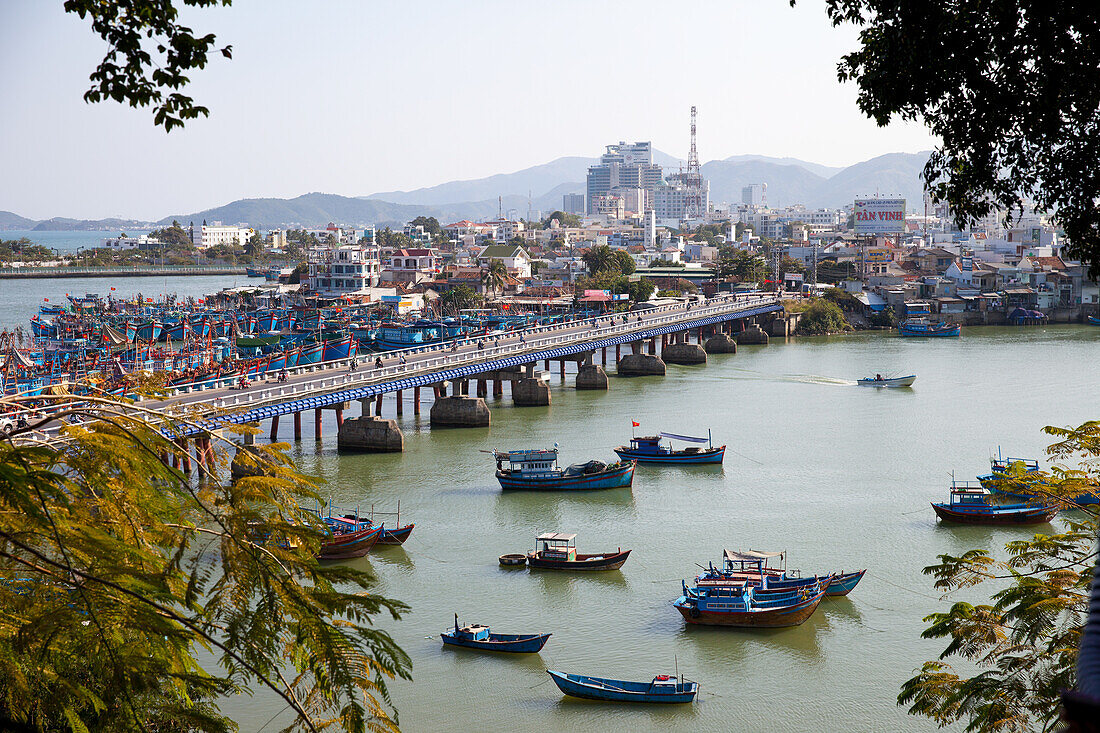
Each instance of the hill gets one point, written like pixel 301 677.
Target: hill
pixel 8 220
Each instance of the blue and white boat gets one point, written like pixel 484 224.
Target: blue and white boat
pixel 880 381
pixel 537 470
pixel 663 689
pixel 974 505
pixel 748 605
pixel 923 326
pixel 476 636
pixel 649 449
pixel 994 481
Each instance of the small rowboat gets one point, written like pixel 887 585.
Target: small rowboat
pixel 559 552
pixel 513 559
pixel 663 689
pixel 880 381
pixel 476 636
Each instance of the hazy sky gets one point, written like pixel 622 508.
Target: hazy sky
pixel 359 96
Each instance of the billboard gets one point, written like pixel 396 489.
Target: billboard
pixel 880 216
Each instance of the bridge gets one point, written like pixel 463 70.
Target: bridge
pixel 510 358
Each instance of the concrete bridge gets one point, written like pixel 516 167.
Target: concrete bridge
pixel 716 325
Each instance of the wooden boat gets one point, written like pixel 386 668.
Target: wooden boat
pixel 922 326
pixel 1093 321
pixel 753 567
pixel 649 449
pixel 396 536
pixel 537 470
pixel 663 689
pixel 880 381
pixel 512 559
pixel 348 541
pixel 993 481
pixel 973 505
pixel 476 636
pixel 747 606
pixel 559 552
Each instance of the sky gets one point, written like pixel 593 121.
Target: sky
pixel 355 97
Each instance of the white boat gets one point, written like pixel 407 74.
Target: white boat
pixel 880 381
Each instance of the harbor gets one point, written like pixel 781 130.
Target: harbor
pixel 837 476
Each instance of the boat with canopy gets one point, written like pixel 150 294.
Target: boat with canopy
pixel 650 449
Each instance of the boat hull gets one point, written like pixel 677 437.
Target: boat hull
pixel 349 544
pixel 843 583
pixel 771 618
pixel 606 561
pixel 596 688
pixel 396 536
pixel 895 382
pixel 614 478
pixel 997 515
pixel 512 643
pixel 676 458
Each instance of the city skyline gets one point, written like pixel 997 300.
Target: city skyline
pixel 344 99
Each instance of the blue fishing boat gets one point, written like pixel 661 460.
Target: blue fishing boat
pixel 340 348
pixel 923 326
pixel 746 605
pixel 1093 321
pixel 649 449
pixel 663 689
pixel 537 470
pixel 844 583
pixel 476 636
pixel 1005 469
pixel 311 354
pixel 973 505
pixel 254 271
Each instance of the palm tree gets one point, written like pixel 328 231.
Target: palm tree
pixel 495 277
pixel 598 259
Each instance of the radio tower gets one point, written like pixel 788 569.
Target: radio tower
pixel 693 179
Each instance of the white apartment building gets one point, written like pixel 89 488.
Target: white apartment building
pixel 216 234
pixel 144 242
pixel 343 269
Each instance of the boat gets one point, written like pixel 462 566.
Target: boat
pixel 663 689
pixel 747 605
pixel 753 566
pixel 559 552
pixel 537 470
pixel 1093 321
pixel 396 536
pixel 348 539
pixel 923 326
pixel 880 381
pixel 1005 469
pixel 513 559
pixel 974 505
pixel 649 449
pixel 476 636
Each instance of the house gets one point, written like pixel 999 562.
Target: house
pixel 336 270
pixel 935 260
pixel 514 257
pixel 410 265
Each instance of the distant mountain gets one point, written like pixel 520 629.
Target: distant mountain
pixel 824 171
pixel 309 210
pixel 61 224
pixel 9 220
pixel 886 174
pixel 787 184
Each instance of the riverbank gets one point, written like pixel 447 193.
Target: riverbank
pixel 23 273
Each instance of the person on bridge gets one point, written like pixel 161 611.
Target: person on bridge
pixel 481 346
pixel 454 345
pixel 283 375
pixel 353 365
pixel 378 363
pixel 401 359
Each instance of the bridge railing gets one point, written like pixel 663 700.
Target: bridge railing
pixel 537 339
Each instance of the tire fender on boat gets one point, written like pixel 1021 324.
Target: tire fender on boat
pixel 694 612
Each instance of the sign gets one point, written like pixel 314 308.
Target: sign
pixel 391 298
pixel 596 293
pixel 621 296
pixel 877 254
pixel 880 216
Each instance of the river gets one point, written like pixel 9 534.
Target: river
pixel 839 476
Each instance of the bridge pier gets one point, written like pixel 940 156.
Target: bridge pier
pixel 640 365
pixel 368 434
pixel 378 406
pixel 400 403
pixel 339 418
pixel 653 346
pixel 530 393
pixel 298 425
pixel 684 353
pixel 416 400
pixel 616 353
pixel 317 424
pixel 482 388
pixel 604 350
pixel 591 376
pixel 186 451
pixel 721 343
pixel 459 412
pixel 274 428
pixel 498 388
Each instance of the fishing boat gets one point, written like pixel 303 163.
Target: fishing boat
pixel 754 566
pixel 1007 469
pixel 348 539
pixel 649 449
pixel 923 326
pixel 537 470
pixel 557 551
pixel 395 536
pixel 746 605
pixel 973 505
pixel 1093 321
pixel 880 381
pixel 476 636
pixel 663 689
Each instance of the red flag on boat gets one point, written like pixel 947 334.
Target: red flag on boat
pixel 46 299
pixel 635 424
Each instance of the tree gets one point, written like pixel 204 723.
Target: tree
pixel 1013 98
pixel 148 55
pixel 255 246
pixel 458 298
pixel 822 317
pixel 116 568
pixel 430 224
pixel 1025 641
pixel 744 265
pixel 495 276
pixel 174 236
pixel 601 258
pixel 790 264
pixel 569 221
pixel 622 262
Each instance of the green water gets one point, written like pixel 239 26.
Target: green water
pixel 839 476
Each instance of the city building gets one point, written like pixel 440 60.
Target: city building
pixel 213 235
pixel 623 166
pixel 573 203
pixel 143 242
pixel 349 268
pixel 514 257
pixel 411 265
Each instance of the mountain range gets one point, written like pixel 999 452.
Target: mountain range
pixel 541 187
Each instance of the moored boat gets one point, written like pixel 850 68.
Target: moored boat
pixel 1093 321
pixel 348 540
pixel 922 326
pixel 649 449
pixel 476 636
pixel 880 381
pixel 1021 470
pixel 557 551
pixel 746 605
pixel 537 470
pixel 973 505
pixel 663 689
pixel 753 566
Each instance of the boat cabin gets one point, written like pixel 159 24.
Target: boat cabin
pixel 474 632
pixel 1002 465
pixel 529 462
pixel 969 496
pixel 754 561
pixel 556 546
pixel 651 444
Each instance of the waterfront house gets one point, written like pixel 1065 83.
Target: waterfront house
pixel 514 257
pixel 410 265
pixel 343 269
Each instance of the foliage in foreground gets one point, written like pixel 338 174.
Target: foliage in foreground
pixel 1025 641
pixel 116 571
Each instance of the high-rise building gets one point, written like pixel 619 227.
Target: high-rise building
pixel 572 203
pixel 752 195
pixel 623 166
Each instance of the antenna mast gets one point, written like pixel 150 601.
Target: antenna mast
pixel 693 179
